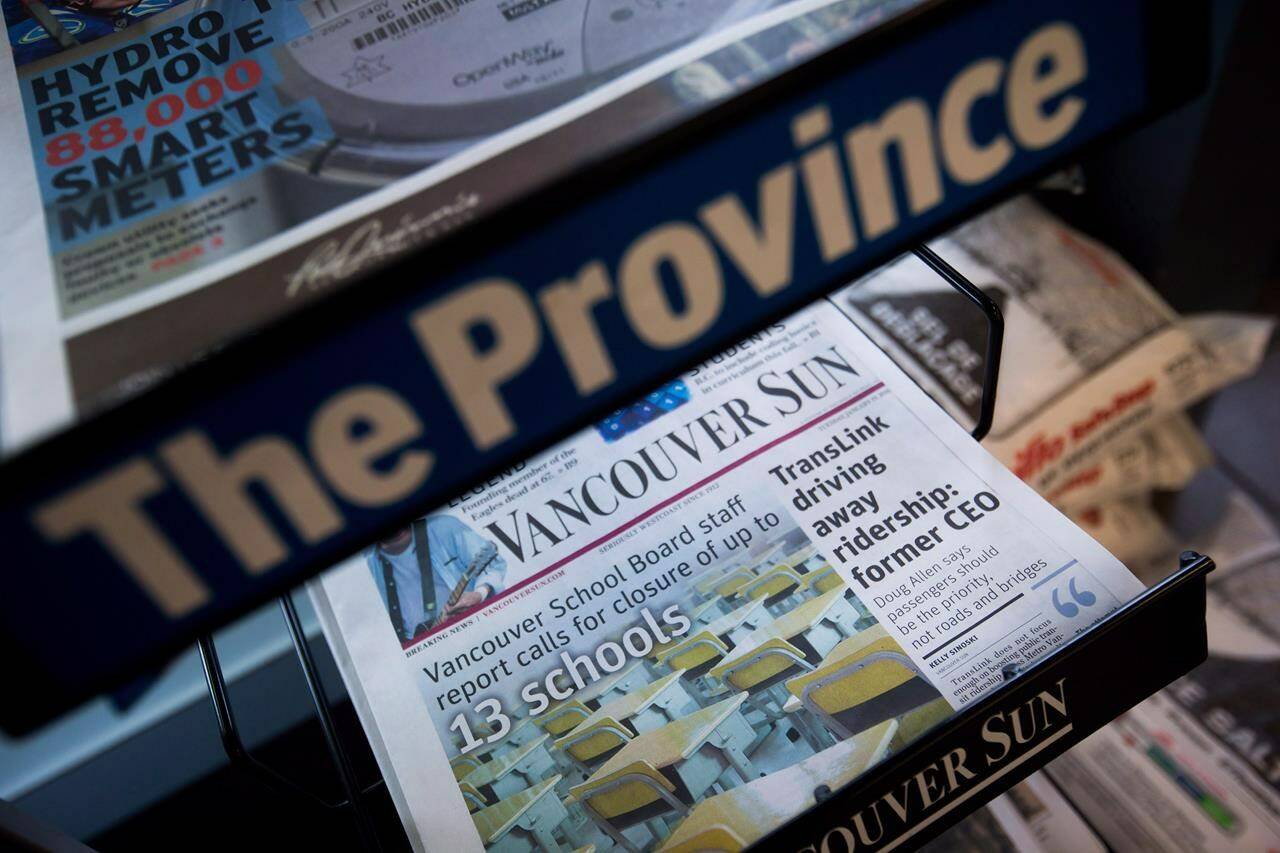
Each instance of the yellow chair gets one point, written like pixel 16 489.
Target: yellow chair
pixel 726 586
pixel 613 725
pixel 700 616
pixel 772 586
pixel 741 816
pixel 474 799
pixel 464 764
pixel 795 640
pixel 667 769
pixel 763 665
pixel 822 579
pixel 866 679
pixel 524 821
pixel 697 651
pixel 563 716
pixel 704 587
pixel 915 723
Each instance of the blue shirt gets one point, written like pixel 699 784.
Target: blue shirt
pixel 453 547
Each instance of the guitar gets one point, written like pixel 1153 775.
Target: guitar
pixel 479 563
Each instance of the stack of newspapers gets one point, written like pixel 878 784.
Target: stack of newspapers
pixel 1097 374
pixel 775 572
pixel 690 622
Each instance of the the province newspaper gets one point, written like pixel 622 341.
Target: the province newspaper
pixel 669 630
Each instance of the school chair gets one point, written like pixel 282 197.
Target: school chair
pixel 698 650
pixel 518 769
pixel 525 821
pixel 743 815
pixel 773 586
pixel 474 799
pixel 667 770
pixel 822 579
pixel 612 726
pixel 563 715
pixel 866 679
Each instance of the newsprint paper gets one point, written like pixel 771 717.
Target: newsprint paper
pixel 180 172
pixel 669 630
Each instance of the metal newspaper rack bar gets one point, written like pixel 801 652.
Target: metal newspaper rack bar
pixel 1179 600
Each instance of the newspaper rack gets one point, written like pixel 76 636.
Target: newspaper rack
pixel 1146 644
pixel 273 383
pixel 1090 676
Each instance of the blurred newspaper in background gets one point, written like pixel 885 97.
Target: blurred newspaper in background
pixel 205 166
pixel 1031 817
pixel 1197 767
pixel 1096 377
pixel 1097 370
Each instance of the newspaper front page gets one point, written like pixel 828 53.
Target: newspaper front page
pixel 180 172
pixel 667 631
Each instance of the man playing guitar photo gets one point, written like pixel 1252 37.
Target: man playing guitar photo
pixel 432 571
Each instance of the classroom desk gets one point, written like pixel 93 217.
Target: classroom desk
pixel 514 771
pixel 699 613
pixel 864 680
pixel 524 821
pixel 731 582
pixel 766 556
pixel 640 780
pixel 562 716
pixel 822 579
pixel 796 639
pixel 799 557
pixel 702 586
pixel 702 614
pixel 771 585
pixel 697 651
pixel 743 815
pixel 474 799
pixel 618 721
pixel 521 733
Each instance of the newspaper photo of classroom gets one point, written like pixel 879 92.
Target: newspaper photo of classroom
pixel 782 681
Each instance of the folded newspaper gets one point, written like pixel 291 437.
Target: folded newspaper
pixel 1197 766
pixel 181 172
pixel 668 631
pixel 1094 356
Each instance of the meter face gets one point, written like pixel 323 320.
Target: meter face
pixel 439 71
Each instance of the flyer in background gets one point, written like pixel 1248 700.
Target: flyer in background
pixel 1197 766
pixel 202 167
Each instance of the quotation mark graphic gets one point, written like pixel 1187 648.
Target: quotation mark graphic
pixel 1081 597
